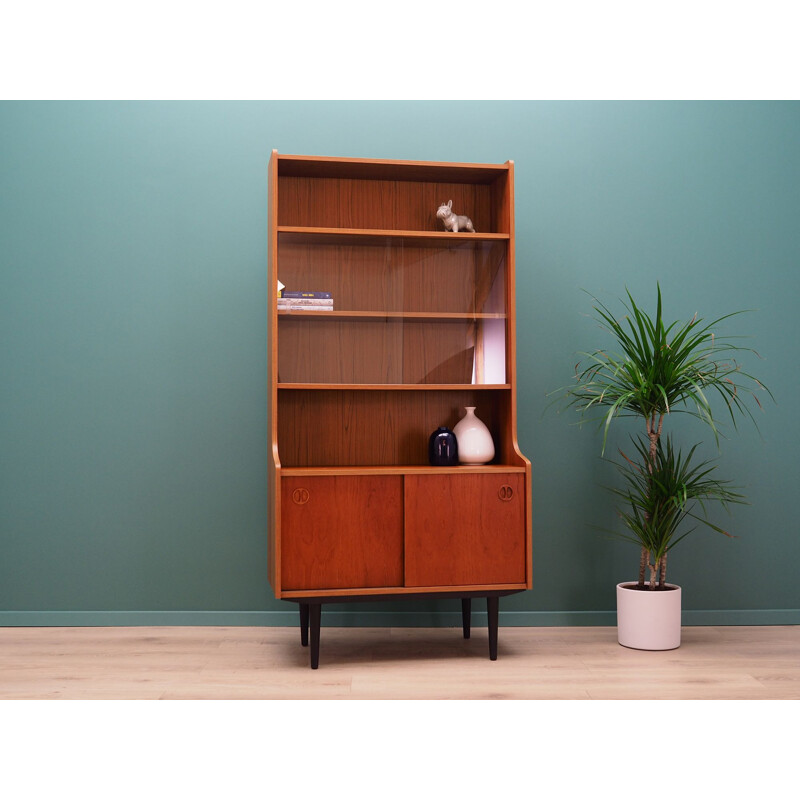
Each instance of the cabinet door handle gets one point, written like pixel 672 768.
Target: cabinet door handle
pixel 300 496
pixel 505 493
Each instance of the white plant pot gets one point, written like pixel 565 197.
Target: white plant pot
pixel 649 620
pixel 475 444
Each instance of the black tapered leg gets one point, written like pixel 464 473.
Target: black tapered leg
pixel 466 613
pixel 315 613
pixel 303 624
pixel 493 607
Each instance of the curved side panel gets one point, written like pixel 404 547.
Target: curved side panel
pixel 273 459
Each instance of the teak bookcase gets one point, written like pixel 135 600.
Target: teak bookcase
pixel 422 326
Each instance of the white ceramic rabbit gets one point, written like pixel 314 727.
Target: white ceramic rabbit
pixel 454 222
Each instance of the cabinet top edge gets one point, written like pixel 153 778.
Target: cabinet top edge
pixel 292 165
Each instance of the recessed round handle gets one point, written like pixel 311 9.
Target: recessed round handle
pixel 505 493
pixel 300 496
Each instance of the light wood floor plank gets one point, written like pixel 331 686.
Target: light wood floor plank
pixel 399 663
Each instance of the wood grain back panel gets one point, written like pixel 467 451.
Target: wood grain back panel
pixel 380 204
pixel 367 204
pixel 417 204
pixel 309 202
pixel 321 428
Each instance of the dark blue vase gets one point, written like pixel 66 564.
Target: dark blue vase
pixel 443 448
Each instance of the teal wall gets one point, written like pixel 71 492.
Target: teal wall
pixel 133 329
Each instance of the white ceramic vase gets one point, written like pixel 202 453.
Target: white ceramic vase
pixel 475 445
pixel 649 620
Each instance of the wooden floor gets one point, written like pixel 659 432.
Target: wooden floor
pixel 391 663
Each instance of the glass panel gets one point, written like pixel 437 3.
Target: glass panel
pixel 402 312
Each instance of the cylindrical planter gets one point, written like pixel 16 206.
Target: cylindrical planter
pixel 649 620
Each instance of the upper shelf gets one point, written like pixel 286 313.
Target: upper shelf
pixel 372 169
pixel 396 387
pixel 291 234
pixel 391 316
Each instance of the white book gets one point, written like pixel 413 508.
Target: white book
pixel 304 307
pixel 306 301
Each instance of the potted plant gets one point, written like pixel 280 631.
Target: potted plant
pixel 661 370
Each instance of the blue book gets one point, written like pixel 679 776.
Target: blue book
pixel 310 295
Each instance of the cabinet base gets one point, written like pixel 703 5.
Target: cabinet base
pixel 311 614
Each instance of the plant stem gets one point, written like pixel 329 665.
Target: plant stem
pixel 662 579
pixel 653 574
pixel 653 434
pixel 643 564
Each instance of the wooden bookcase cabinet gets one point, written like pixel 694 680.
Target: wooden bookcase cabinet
pixel 422 326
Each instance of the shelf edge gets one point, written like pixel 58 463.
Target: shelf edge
pixel 432 316
pixel 333 471
pixel 382 233
pixel 396 387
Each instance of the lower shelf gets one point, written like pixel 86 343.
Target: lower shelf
pixel 382 593
pixel 296 472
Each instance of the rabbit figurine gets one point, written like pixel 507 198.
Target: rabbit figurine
pixel 454 222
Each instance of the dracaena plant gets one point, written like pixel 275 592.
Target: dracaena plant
pixel 658 371
pixel 659 496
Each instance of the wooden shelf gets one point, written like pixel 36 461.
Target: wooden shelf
pixel 354 316
pixel 391 169
pixel 397 387
pixel 292 234
pixel 296 472
pixel 384 592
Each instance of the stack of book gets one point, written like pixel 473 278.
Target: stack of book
pixel 305 301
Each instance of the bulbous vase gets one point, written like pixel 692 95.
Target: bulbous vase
pixel 475 445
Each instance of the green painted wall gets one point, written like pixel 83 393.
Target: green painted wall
pixel 133 328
